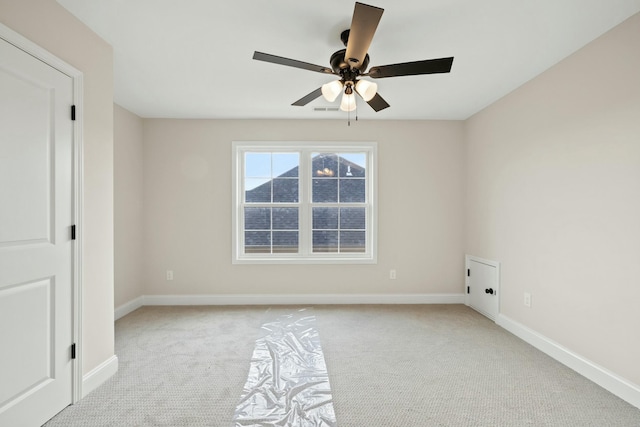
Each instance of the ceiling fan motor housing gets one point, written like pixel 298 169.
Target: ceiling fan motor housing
pixel 342 67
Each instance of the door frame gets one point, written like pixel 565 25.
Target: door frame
pixel 76 75
pixel 496 265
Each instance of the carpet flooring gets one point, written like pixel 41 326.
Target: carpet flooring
pixel 396 365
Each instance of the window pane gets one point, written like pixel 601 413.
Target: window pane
pixel 325 218
pixel 285 164
pixel 352 164
pixel 285 218
pixel 257 190
pixel 285 241
pixel 257 165
pixel 325 241
pixel 325 190
pixel 290 216
pixel 352 190
pixel 352 241
pixel 324 165
pixel 353 218
pixel 257 242
pixel 285 190
pixel 257 218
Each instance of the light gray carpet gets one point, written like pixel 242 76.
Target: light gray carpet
pixel 434 365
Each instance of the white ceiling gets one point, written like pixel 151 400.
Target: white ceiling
pixel 193 58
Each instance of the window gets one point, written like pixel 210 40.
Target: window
pixel 304 203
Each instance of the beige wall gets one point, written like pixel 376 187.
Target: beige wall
pixel 554 195
pixel 49 25
pixel 187 189
pixel 128 212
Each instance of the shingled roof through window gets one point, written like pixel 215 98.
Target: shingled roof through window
pixel 324 166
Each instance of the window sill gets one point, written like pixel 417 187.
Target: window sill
pixel 318 260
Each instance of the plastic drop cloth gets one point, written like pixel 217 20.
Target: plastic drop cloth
pixel 288 384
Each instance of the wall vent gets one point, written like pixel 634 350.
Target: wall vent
pixel 326 109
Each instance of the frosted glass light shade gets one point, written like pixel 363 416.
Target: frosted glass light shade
pixel 348 102
pixel 366 89
pixel 331 90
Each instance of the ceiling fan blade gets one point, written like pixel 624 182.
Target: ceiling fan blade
pixel 291 62
pixel 428 66
pixel 363 26
pixel 308 98
pixel 378 103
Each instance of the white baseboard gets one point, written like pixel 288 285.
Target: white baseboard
pixel 286 299
pixel 604 378
pixel 128 307
pixel 297 299
pixel 98 375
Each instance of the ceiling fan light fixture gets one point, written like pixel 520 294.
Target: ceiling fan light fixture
pixel 348 102
pixel 366 89
pixel 331 90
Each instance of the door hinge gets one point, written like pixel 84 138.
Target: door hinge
pixel 468 289
pixel 73 232
pixel 468 272
pixel 73 350
pixel 73 112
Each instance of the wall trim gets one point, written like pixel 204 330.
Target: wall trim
pixel 99 375
pixel 286 299
pixel 604 378
pixel 128 307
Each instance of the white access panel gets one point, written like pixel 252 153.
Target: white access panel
pixel 483 283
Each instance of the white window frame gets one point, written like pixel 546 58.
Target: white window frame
pixel 305 256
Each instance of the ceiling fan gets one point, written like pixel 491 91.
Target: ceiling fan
pixel 350 65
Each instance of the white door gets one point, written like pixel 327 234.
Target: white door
pixel 36 250
pixel 482 286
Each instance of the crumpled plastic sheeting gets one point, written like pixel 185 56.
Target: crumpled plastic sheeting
pixel 288 383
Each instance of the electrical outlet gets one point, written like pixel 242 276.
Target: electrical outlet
pixel 169 274
pixel 527 299
pixel 392 274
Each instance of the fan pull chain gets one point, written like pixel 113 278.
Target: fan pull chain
pixel 356 99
